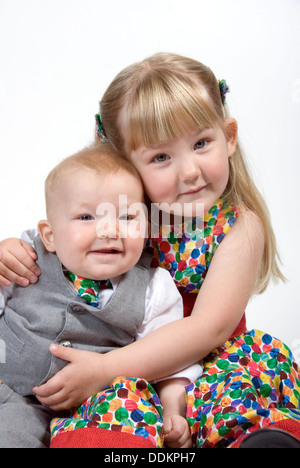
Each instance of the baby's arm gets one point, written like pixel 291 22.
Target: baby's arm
pixel 173 398
pixel 17 263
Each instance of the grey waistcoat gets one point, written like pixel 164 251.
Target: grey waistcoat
pixel 51 312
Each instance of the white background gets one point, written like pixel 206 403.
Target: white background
pixel 58 56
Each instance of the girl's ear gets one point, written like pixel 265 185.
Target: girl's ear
pixel 46 234
pixel 231 130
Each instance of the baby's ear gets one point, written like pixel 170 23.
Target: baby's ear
pixel 46 234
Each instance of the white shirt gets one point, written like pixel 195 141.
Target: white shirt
pixel 163 305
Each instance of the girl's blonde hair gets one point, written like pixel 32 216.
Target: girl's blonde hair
pixel 164 97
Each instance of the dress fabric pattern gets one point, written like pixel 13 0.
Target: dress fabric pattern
pixel 130 406
pixel 249 383
pixel 188 256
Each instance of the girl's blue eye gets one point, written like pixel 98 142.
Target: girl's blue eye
pixel 86 218
pixel 161 158
pixel 200 144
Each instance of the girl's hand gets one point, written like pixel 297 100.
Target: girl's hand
pixel 17 263
pixel 75 383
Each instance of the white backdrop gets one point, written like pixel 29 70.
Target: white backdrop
pixel 58 56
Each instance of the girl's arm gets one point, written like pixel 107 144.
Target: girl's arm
pixel 17 263
pixel 218 310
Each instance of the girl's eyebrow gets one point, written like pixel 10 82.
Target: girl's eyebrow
pixel 146 152
pixel 200 132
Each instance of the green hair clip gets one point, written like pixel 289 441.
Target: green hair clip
pixel 100 129
pixel 224 89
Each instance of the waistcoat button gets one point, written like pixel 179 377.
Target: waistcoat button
pixel 77 309
pixel 66 344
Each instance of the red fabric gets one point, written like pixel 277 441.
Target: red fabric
pixel 189 300
pixel 93 437
pixel 288 425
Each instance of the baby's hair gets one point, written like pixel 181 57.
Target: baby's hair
pixel 164 97
pixel 99 157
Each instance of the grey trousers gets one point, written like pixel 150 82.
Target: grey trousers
pixel 24 422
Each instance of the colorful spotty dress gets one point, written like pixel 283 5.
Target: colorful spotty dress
pixel 251 382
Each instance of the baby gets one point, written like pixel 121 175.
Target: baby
pixel 97 292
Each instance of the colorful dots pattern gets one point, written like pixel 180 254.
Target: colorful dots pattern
pixel 130 405
pixel 187 257
pixel 250 383
pixel 88 289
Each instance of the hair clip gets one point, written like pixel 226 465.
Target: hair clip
pixel 100 129
pixel 224 89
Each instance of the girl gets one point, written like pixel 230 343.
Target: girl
pixel 167 113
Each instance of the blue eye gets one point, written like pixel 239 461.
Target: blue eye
pixel 126 217
pixel 160 158
pixel 200 144
pixel 86 218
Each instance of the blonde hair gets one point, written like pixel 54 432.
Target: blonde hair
pixel 162 98
pixel 100 157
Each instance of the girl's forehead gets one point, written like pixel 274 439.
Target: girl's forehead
pixel 149 119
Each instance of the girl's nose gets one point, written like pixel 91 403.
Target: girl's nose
pixel 190 170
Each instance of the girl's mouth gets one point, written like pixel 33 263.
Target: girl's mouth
pixel 194 190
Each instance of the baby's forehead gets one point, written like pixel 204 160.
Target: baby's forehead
pixel 84 179
pixel 102 172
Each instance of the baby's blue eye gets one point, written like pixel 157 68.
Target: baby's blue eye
pixel 125 217
pixel 86 218
pixel 161 158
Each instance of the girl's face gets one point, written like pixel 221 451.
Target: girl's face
pixel 192 169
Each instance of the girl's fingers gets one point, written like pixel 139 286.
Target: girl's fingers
pixel 8 276
pixel 4 282
pixel 15 271
pixel 17 263
pixel 30 250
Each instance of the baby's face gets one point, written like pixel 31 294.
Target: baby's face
pixel 99 224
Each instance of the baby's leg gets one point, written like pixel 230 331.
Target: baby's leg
pixel 24 423
pixel 173 397
pixel 128 415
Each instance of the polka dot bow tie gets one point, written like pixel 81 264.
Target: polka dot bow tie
pixel 88 289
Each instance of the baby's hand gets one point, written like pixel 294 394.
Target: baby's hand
pixel 17 263
pixel 177 432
